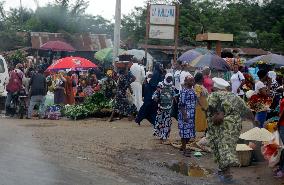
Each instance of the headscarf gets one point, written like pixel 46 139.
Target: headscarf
pixel 220 83
pixel 165 80
pixel 183 76
pixel 272 75
pixel 157 76
pixel 147 74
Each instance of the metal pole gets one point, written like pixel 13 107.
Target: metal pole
pixel 116 44
pixel 147 36
pixel 21 9
pixel 176 32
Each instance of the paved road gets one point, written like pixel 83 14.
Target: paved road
pixel 23 163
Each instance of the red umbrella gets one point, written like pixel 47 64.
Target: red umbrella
pixel 73 63
pixel 57 46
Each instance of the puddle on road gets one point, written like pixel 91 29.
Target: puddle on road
pixel 189 170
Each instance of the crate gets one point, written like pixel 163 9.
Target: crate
pixel 244 157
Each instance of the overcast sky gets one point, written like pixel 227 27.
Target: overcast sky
pixel 106 8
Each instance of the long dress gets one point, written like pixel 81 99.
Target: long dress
pixel 136 86
pixel 188 101
pixel 69 93
pixel 149 108
pixel 223 138
pixel 164 94
pixel 122 104
pixel 200 115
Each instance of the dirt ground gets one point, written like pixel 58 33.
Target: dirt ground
pixel 129 151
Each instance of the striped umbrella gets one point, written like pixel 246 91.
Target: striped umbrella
pixel 270 59
pixel 192 54
pixel 212 61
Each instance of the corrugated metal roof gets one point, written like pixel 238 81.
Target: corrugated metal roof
pixel 80 41
pixel 247 51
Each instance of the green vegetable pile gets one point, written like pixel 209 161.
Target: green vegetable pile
pixel 93 105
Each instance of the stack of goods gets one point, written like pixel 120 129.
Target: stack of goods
pixel 259 103
pixel 53 112
pixel 124 61
pixel 244 153
pixel 95 105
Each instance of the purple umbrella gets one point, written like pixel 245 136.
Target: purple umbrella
pixel 189 56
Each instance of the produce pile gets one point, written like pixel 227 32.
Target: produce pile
pixel 93 106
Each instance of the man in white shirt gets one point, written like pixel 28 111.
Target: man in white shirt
pixel 136 86
pixel 237 81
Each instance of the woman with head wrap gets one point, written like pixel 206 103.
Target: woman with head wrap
pixel 275 95
pixel 186 117
pixel 225 113
pixel 164 95
pixel 157 76
pixel 202 104
pixel 123 106
pixel 207 82
pixel 149 108
pixel 69 85
pixel 59 91
pixel 261 100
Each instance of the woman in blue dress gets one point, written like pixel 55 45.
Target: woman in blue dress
pixel 164 95
pixel 186 117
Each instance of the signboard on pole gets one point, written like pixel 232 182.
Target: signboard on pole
pixel 162 23
pixel 163 14
pixel 162 32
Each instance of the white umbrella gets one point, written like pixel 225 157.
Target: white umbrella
pixel 257 134
pixel 139 55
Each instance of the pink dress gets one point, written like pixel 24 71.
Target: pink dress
pixel 208 83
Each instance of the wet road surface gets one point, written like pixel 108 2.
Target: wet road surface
pixel 23 162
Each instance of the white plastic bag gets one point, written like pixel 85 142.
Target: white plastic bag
pixel 49 99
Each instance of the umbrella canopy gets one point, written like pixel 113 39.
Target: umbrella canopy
pixel 257 134
pixel 73 63
pixel 189 56
pixel 106 55
pixel 192 54
pixel 57 46
pixel 139 54
pixel 270 58
pixel 212 61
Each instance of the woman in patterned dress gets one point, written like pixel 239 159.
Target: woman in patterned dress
pixel 186 117
pixel 164 95
pixel 202 104
pixel 122 105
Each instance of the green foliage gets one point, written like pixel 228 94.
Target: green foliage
pixel 18 55
pixel 92 105
pixel 238 17
pixel 63 16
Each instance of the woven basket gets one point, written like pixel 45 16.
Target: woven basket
pixel 244 157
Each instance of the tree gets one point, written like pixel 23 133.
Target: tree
pixel 239 17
